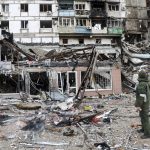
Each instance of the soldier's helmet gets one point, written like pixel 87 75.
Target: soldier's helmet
pixel 142 75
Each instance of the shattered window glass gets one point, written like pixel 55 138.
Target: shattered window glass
pixel 99 80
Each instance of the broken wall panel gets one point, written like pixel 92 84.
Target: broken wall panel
pixel 112 83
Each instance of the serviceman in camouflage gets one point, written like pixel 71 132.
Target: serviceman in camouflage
pixel 143 101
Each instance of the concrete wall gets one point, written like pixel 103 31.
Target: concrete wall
pixel 90 40
pixel 33 33
pixel 116 80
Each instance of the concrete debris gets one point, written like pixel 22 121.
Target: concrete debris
pixel 71 97
pixel 110 128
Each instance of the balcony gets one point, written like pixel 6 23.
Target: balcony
pixel 115 30
pixel 77 29
pixel 83 29
pixel 98 13
pixel 99 30
pixel 82 13
pixel 66 13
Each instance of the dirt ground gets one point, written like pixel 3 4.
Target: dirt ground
pixel 119 134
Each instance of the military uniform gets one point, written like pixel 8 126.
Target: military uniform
pixel 143 101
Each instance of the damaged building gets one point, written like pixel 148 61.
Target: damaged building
pixel 71 25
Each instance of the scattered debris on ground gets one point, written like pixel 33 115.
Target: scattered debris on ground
pixel 98 123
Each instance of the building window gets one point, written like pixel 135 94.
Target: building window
pixel 113 7
pixel 81 22
pixel 45 7
pixel 5 7
pixel 24 24
pixel 114 23
pixel 5 25
pixel 66 6
pixel 66 22
pixel 81 41
pixel 98 41
pixel 100 80
pixel 65 41
pixel 46 24
pixel 24 7
pixel 80 6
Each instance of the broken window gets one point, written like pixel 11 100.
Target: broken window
pixel 81 22
pixel 46 24
pixel 65 41
pixel 66 6
pixel 100 80
pixel 81 41
pixel 5 25
pixel 98 41
pixel 67 82
pixel 24 7
pixel 45 7
pixel 38 82
pixel 72 82
pixel 24 24
pixel 66 22
pixel 9 83
pixel 80 6
pixel 113 7
pixel 5 7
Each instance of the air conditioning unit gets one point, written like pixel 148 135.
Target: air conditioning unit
pixel 49 13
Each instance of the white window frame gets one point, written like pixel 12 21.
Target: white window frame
pixel 79 6
pixel 113 7
pixel 66 22
pixel 72 87
pixel 94 89
pixel 60 88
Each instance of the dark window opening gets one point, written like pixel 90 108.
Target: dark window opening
pixel 45 7
pixel 98 41
pixel 81 41
pixel 81 22
pixel 98 5
pixel 24 7
pixel 11 83
pixel 5 25
pixel 24 24
pixel 80 6
pixel 103 23
pixel 65 41
pixel 5 7
pixel 46 24
pixel 39 82
pixel 66 6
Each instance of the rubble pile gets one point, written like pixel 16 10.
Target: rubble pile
pixel 98 123
pixel 135 57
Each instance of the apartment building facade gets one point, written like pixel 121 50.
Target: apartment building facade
pixel 72 23
pixel 90 21
pixel 136 20
pixel 63 22
pixel 30 21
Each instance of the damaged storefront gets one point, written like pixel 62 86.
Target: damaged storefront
pixel 65 71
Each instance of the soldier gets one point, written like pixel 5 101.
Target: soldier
pixel 143 101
